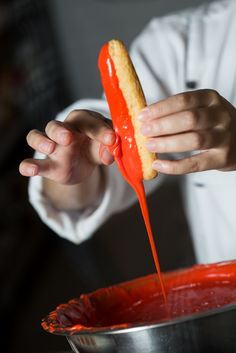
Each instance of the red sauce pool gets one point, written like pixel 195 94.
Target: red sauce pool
pixel 190 291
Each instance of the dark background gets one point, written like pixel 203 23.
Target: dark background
pixel 49 59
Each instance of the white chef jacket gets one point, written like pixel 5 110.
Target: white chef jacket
pixel 194 46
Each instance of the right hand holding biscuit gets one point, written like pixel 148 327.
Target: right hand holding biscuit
pixel 72 148
pixel 200 121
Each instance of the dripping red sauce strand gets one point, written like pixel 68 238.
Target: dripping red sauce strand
pixel 125 150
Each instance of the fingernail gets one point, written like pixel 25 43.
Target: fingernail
pixel 32 170
pixel 109 138
pixel 158 165
pixel 151 145
pixel 146 129
pixel 108 158
pixel 45 147
pixel 144 114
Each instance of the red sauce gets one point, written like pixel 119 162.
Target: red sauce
pixel 125 150
pixel 190 291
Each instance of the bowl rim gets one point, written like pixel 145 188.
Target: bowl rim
pixel 103 331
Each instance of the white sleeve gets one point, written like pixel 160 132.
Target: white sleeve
pixel 159 56
pixel 79 226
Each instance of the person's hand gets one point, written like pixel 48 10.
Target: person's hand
pixel 73 148
pixel 200 121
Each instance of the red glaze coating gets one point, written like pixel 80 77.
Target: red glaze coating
pixel 120 117
pixel 125 150
pixel 189 291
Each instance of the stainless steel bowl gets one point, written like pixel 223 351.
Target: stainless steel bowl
pixel 89 328
pixel 209 332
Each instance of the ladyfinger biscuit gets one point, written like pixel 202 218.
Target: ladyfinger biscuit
pixel 134 97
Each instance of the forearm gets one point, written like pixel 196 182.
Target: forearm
pixel 76 197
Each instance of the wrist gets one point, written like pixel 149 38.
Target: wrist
pixel 78 196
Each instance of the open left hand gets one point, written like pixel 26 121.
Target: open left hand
pixel 200 120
